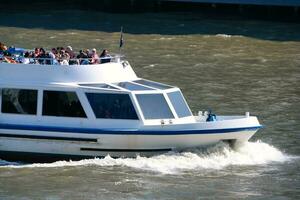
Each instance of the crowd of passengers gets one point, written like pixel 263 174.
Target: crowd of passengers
pixel 57 56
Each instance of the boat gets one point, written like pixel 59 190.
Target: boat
pixel 54 112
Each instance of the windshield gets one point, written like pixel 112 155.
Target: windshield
pixel 154 106
pixel 179 104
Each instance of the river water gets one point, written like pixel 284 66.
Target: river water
pixel 228 65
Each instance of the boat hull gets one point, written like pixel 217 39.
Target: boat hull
pixel 45 146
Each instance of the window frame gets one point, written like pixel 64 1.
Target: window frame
pixel 167 101
pixel 165 94
pixel 184 101
pixel 130 95
pixel 62 90
pixel 20 88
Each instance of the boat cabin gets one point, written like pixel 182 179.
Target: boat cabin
pixel 109 93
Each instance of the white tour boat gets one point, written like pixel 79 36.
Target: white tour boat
pixel 52 112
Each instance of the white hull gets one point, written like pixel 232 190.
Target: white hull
pixel 160 144
pixel 116 145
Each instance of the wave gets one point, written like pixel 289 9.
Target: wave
pixel 222 36
pixel 150 66
pixel 217 157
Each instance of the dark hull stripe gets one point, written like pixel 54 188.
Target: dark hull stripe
pixel 32 157
pixel 126 150
pixel 48 137
pixel 123 131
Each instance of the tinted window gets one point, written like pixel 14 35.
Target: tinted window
pixel 179 104
pixel 114 106
pixel 58 103
pixel 19 101
pixel 154 106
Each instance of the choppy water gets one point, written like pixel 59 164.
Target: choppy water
pixel 230 66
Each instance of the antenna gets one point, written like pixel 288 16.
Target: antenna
pixel 121 40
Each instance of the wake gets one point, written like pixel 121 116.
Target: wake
pixel 217 157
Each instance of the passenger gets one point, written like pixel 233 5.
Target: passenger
pixel 7 58
pixel 105 57
pixel 59 49
pixel 2 47
pixel 95 57
pixel 52 56
pixel 3 53
pixel 64 58
pixel 73 60
pixel 88 54
pixel 36 52
pixel 83 58
pixel 31 58
pixel 43 56
pixel 26 58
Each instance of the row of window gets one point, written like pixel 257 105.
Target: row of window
pixel 104 105
pixel 55 103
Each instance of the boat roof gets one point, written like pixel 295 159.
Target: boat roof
pixel 47 74
pixel 113 76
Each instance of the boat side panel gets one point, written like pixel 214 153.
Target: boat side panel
pixel 114 145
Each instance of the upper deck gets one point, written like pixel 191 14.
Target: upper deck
pixel 118 71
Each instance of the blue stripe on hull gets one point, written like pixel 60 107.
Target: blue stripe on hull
pixel 123 131
pixel 38 137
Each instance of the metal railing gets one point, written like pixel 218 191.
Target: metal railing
pixel 18 59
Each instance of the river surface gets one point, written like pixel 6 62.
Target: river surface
pixel 228 65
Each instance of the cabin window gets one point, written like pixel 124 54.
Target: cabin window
pixel 19 101
pixel 154 106
pixel 64 104
pixel 179 104
pixel 112 106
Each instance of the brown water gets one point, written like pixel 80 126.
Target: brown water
pixel 230 66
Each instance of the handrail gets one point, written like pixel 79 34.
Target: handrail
pixel 55 61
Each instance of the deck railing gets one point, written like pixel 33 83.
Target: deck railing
pixel 17 59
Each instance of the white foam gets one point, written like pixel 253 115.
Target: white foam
pixel 227 35
pixel 165 38
pixel 150 66
pixel 224 35
pixel 216 157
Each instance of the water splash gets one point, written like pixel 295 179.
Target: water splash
pixel 225 36
pixel 150 66
pixel 216 157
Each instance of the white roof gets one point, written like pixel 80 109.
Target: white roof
pixel 48 74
